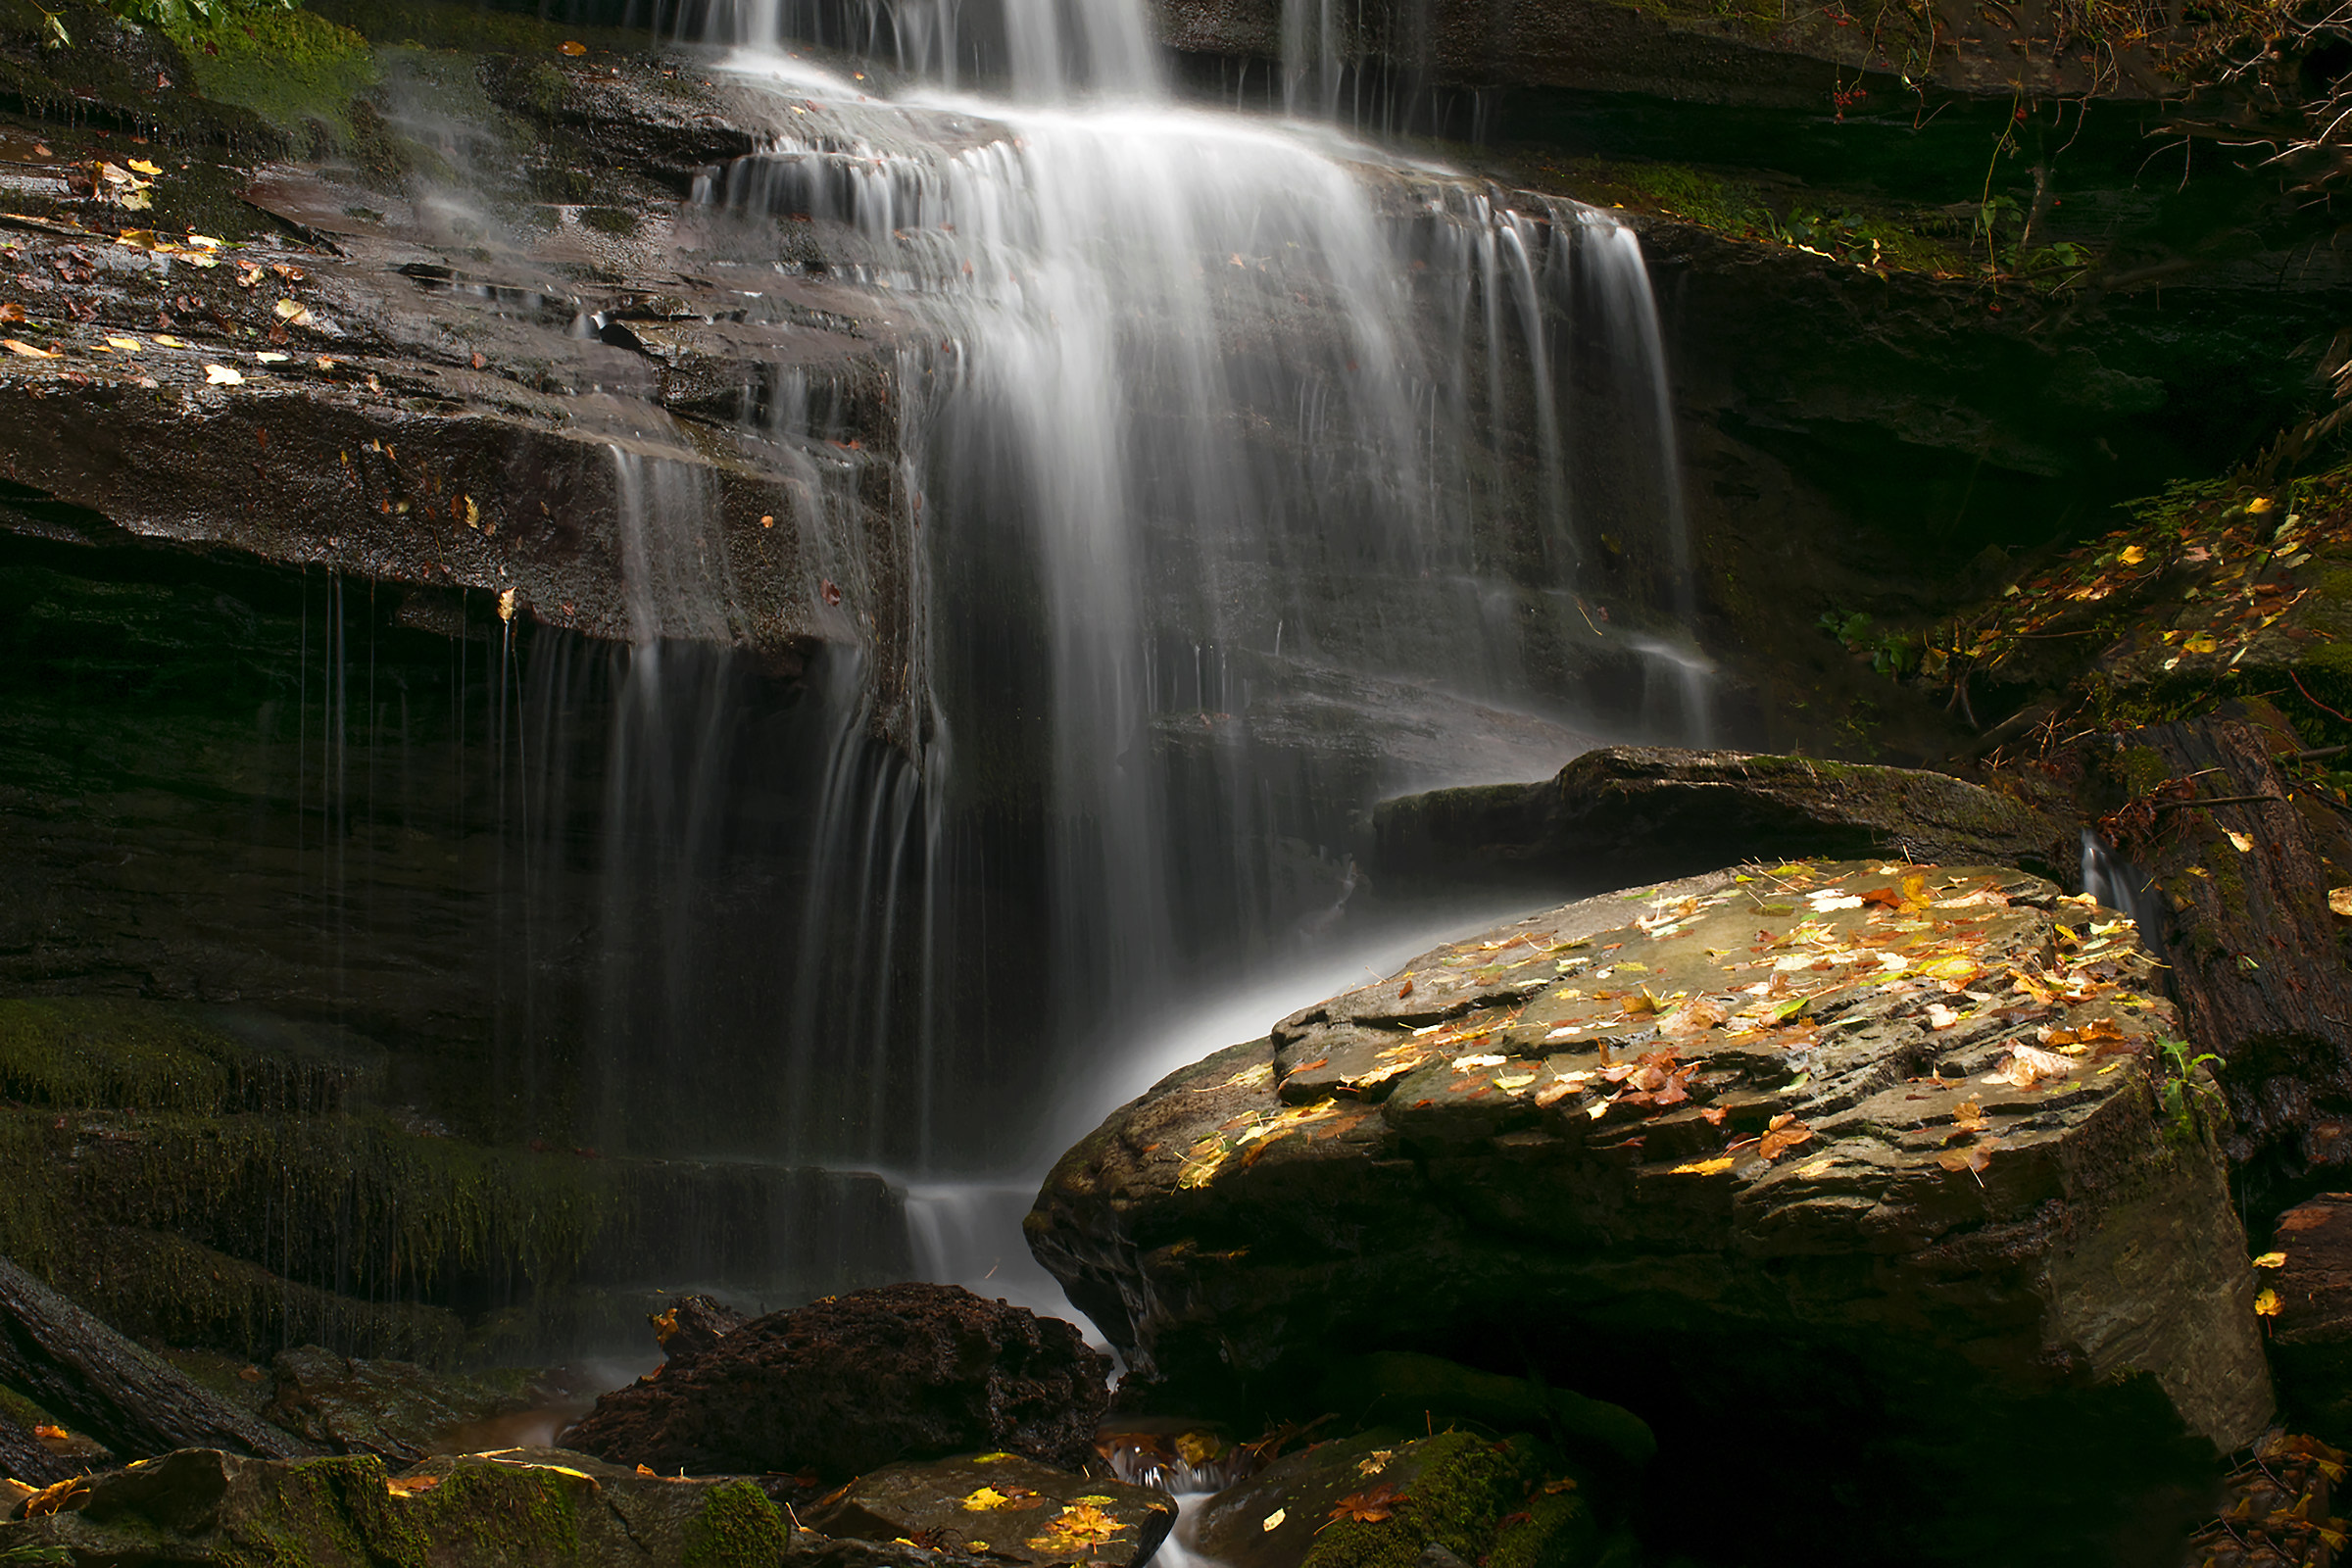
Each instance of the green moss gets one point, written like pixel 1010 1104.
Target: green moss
pixel 1557 1532
pixel 102 1053
pixel 738 1528
pixel 292 68
pixel 2141 770
pixel 609 220
pixel 2229 879
pixel 127 1055
pixel 474 28
pixel 336 1509
pixel 1466 1486
pixel 505 1514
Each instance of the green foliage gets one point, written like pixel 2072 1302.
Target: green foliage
pixel 174 16
pixel 2180 1088
pixel 1892 653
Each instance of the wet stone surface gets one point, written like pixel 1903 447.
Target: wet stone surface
pixel 1001 1505
pixel 1897 1143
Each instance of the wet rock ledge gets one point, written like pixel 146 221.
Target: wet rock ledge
pixel 1889 1166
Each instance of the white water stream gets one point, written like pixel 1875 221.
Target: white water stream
pixel 1260 433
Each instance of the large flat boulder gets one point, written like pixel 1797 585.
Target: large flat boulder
pixel 1883 1162
pixel 1626 812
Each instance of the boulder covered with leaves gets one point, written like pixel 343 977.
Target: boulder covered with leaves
pixel 1627 812
pixel 854 1382
pixel 1888 1162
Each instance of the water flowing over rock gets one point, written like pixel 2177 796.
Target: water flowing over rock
pixel 857 1380
pixel 1884 1156
pixel 2233 868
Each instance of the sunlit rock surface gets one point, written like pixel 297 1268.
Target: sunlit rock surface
pixel 1886 1157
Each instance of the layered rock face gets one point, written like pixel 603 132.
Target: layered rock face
pixel 1628 811
pixel 1891 1162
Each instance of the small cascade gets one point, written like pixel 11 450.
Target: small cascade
pixel 2116 882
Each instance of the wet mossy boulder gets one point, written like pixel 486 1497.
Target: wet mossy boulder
pixel 1000 1506
pixel 1884 1156
pixel 854 1382
pixel 516 1507
pixel 1621 813
pixel 1385 1499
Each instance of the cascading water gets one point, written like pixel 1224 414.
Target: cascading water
pixel 1251 475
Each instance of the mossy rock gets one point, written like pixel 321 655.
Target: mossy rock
pixel 70 1053
pixel 1381 1498
pixel 519 1508
pixel 294 68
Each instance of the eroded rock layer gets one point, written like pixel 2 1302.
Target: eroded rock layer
pixel 1888 1157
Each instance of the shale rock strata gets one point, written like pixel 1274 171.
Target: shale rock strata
pixel 1889 1155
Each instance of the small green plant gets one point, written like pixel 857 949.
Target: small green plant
pixel 2178 1087
pixel 1892 653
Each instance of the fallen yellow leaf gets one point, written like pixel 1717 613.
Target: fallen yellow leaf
pixel 163 342
pixel 222 376
pixel 28 349
pixel 2203 642
pixel 2268 1304
pixel 2132 554
pixel 143 167
pixel 1706 1167
pixel 2271 1260
pixel 1273 1521
pixel 2340 901
pixel 2239 841
pixel 572 47
pixel 127 345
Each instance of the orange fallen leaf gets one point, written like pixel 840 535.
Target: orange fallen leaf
pixel 1370 1507
pixel 1783 1133
pixel 572 47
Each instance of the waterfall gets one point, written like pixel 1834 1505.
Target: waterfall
pixel 1245 474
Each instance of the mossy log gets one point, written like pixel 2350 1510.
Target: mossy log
pixel 2259 967
pixel 133 1401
